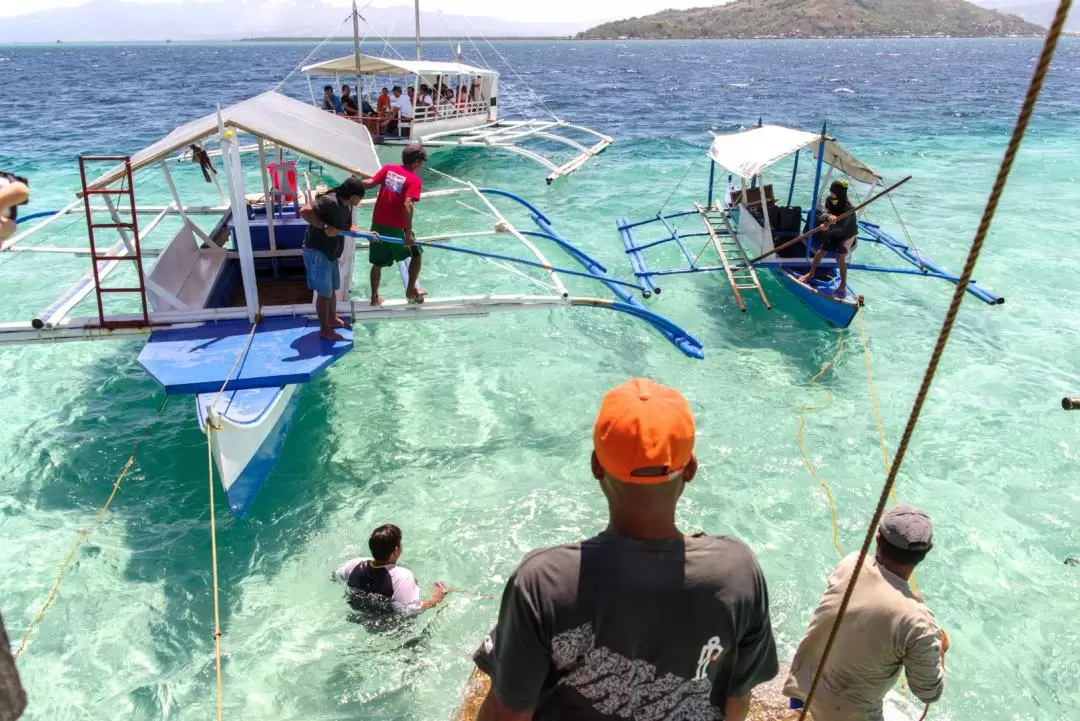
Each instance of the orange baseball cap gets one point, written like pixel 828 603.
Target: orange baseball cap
pixel 644 432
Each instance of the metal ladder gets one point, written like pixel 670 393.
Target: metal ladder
pixel 742 276
pixel 131 243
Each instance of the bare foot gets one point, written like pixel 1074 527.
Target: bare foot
pixel 804 278
pixel 339 323
pixel 330 335
pixel 420 291
pixel 377 300
pixel 415 297
pixel 841 292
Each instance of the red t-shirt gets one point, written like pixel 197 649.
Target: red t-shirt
pixel 397 185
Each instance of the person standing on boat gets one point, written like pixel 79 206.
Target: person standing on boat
pixel 641 621
pixel 393 218
pixel 839 236
pixel 377 581
pixel 886 627
pixel 402 107
pixel 330 214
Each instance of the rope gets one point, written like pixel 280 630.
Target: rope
pixel 1020 129
pixel 826 489
pixel 210 427
pixel 697 157
pixel 318 47
pixel 86 532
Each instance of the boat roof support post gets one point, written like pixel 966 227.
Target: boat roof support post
pixel 712 180
pixel 234 176
pixel 765 212
pixel 179 205
pixel 817 180
pixel 356 50
pixel 794 175
pixel 267 197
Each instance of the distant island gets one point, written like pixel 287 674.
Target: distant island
pixel 820 19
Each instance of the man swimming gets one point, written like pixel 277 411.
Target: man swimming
pixel 378 583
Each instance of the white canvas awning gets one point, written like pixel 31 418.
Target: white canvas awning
pixel 371 65
pixel 300 127
pixel 750 152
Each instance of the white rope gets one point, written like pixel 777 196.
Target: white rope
pixel 682 180
pixel 526 276
pixel 517 75
pixel 473 208
pixel 317 49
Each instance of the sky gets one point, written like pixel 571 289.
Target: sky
pixel 569 10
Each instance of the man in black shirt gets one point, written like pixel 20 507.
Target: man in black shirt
pixel 838 237
pixel 640 622
pixel 331 213
pixel 349 102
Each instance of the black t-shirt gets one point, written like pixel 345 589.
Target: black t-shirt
pixel 615 628
pixel 332 211
pixel 349 104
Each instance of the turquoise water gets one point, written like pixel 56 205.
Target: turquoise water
pixel 474 435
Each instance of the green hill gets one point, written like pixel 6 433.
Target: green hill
pixel 820 18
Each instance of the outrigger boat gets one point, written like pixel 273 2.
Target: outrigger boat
pixel 744 230
pixel 476 123
pixel 222 292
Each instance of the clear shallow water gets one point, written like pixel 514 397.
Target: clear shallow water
pixel 474 435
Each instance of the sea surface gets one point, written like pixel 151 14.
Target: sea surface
pixel 474 435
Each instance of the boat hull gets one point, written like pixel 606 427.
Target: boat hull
pixel 251 429
pixel 819 296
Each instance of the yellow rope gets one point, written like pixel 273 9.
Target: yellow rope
pixel 210 427
pixel 826 489
pixel 1018 133
pixel 86 532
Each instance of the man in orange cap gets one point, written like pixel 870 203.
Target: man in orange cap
pixel 641 621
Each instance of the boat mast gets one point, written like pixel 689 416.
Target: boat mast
pixel 416 6
pixel 356 50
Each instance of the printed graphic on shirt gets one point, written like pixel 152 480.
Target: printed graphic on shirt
pixel 394 182
pixel 710 653
pixel 618 686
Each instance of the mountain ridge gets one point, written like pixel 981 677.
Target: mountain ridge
pixel 820 19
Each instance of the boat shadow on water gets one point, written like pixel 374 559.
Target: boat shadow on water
pixel 74 456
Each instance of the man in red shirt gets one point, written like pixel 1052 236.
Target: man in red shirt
pixel 393 217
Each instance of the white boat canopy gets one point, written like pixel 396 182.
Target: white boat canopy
pixel 279 119
pixel 750 152
pixel 372 65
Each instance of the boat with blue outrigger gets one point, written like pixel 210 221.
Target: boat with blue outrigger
pixel 218 288
pixel 743 229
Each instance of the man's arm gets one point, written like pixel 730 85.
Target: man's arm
pixel 516 655
pixel 736 708
pixel 374 180
pixel 311 216
pixel 438 593
pixel 493 710
pixel 924 661
pixel 409 237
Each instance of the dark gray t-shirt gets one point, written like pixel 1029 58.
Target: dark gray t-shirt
pixel 333 211
pixel 615 628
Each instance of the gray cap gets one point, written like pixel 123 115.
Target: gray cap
pixel 908 528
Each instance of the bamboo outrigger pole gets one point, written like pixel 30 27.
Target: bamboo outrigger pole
pixel 810 232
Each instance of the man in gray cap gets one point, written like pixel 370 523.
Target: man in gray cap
pixel 886 627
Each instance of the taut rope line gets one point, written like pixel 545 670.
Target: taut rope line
pixel 825 488
pixel 1019 130
pixel 210 428
pixel 85 533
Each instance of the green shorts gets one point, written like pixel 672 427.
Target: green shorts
pixel 386 254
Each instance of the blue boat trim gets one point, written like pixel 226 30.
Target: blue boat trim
pixel 198 360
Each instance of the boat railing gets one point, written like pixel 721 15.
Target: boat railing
pixel 431 113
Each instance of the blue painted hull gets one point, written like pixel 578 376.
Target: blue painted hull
pixel 254 425
pixel 819 296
